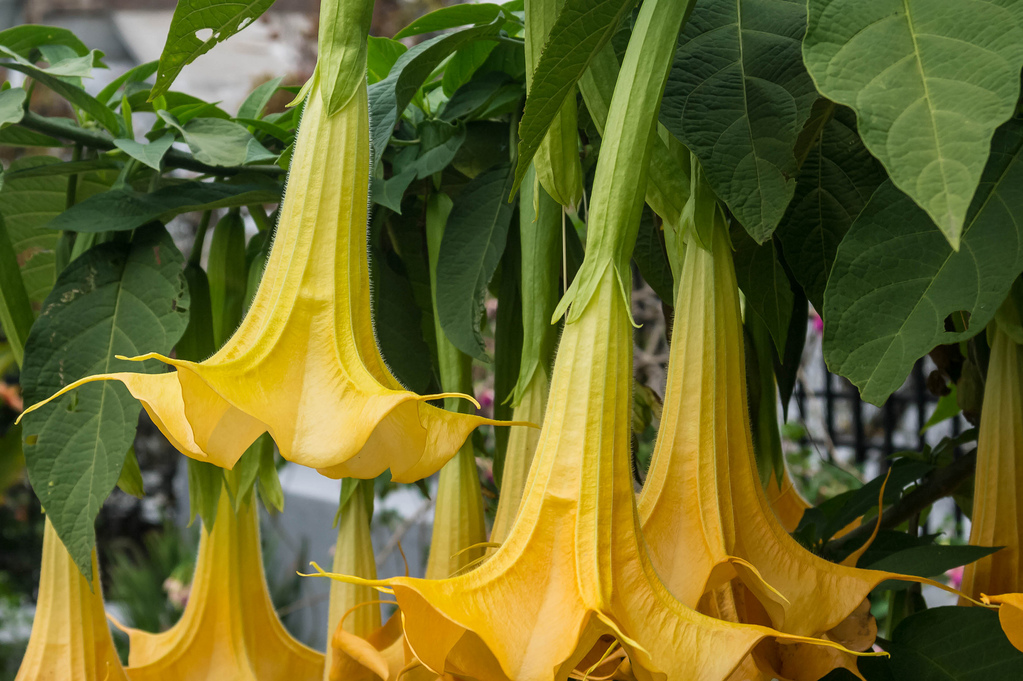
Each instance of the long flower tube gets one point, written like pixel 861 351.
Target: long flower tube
pixel 70 638
pixel 998 578
pixel 704 512
pixel 304 364
pixel 229 630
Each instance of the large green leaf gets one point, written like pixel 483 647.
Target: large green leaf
pixel 75 95
pixel 451 17
pixel 389 97
pixel 474 240
pixel 930 80
pixel 12 106
pixel 196 27
pixel 834 184
pixel 123 209
pixel 582 29
pixel 29 203
pixel 27 37
pixel 738 96
pixel 947 644
pixel 116 298
pixel 896 279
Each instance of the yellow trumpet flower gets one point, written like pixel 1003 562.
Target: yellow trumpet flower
pixel 788 504
pixel 70 638
pixel 704 513
pixel 999 477
pixel 229 630
pixel 304 364
pixel 1010 615
pixel 574 567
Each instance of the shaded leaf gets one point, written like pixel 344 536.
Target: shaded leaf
pixel 930 81
pixel 473 242
pixel 764 282
pixel 125 208
pixel 652 259
pixel 451 17
pixel 834 184
pixel 381 55
pixel 896 279
pixel 257 100
pixel 150 154
pixel 12 106
pixel 738 96
pixel 116 298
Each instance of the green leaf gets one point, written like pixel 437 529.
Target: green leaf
pixel 150 154
pixel 930 560
pixel 930 81
pixel 949 643
pixel 27 37
pixel 396 315
pixel 464 63
pixel 130 480
pixel 80 98
pixel 738 96
pixel 896 279
pixel 765 284
pixel 135 75
pixel 228 276
pixel 198 25
pixel 652 259
pixel 257 100
pixel 582 28
pixel 947 407
pixel 474 240
pixel 28 203
pixel 381 55
pixel 205 483
pixel 451 17
pixel 475 96
pixel 834 184
pixel 215 141
pixel 389 97
pixel 268 482
pixel 389 192
pixel 439 143
pixel 12 106
pixel 509 333
pixel 125 208
pixel 117 298
pixel 17 136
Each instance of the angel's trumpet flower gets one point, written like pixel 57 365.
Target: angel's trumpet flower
pixel 704 512
pixel 998 488
pixel 229 630
pixel 304 364
pixel 70 638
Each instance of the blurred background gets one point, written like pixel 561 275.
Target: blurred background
pixel 832 440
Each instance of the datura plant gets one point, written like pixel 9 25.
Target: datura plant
pixel 229 629
pixel 70 638
pixel 304 365
pixel 573 568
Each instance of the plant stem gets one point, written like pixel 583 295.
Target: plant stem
pixel 200 237
pixel 937 485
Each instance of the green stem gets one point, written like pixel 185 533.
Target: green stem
pixel 200 237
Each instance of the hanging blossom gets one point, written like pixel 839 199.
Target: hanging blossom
pixel 70 639
pixel 229 630
pixel 709 526
pixel 304 364
pixel 998 578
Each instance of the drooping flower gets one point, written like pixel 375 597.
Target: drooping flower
pixel 574 568
pixel 705 515
pixel 70 638
pixel 229 630
pixel 304 364
pixel 1010 615
pixel 998 488
pixel 788 504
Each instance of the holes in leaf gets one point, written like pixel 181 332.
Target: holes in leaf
pixel 958 321
pixel 204 34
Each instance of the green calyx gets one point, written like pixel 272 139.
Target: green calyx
pixel 342 45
